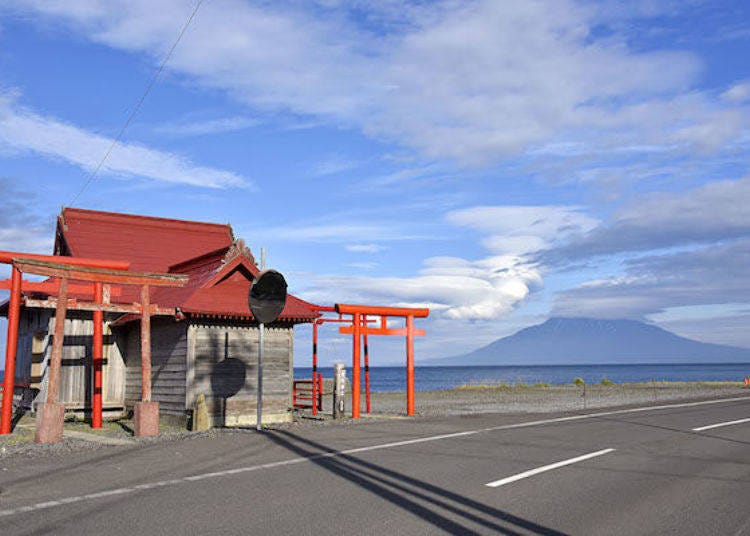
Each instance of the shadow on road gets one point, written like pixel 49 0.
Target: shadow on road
pixel 435 505
pixel 672 429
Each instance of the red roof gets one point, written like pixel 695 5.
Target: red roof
pixel 150 244
pixel 220 269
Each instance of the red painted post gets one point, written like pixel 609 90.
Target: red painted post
pixel 357 320
pixel 410 365
pixel 11 347
pixel 98 358
pixel 55 362
pixel 315 369
pixel 319 401
pixel 367 372
pixel 145 344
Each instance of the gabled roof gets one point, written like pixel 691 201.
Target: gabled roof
pixel 218 285
pixel 150 244
pixel 220 269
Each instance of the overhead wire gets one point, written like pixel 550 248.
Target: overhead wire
pixel 138 105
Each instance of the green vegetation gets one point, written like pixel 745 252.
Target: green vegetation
pixel 607 382
pixel 579 382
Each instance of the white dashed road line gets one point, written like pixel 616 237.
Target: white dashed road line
pixel 545 468
pixel 719 425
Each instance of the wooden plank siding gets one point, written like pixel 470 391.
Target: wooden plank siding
pixel 191 357
pixel 223 362
pixel 168 364
pixel 76 375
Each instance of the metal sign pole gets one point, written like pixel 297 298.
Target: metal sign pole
pixel 259 415
pixel 266 299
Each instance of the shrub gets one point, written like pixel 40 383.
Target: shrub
pixel 579 382
pixel 605 381
pixel 542 384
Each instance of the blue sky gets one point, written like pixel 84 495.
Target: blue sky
pixel 501 162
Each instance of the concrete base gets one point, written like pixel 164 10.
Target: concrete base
pixel 49 423
pixel 146 419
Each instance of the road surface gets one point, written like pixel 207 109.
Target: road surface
pixel 672 469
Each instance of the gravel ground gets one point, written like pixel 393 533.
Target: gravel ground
pixel 20 444
pixel 547 399
pixel 465 400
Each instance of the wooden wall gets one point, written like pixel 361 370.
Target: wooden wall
pixel 223 361
pixel 35 348
pixel 187 358
pixel 168 364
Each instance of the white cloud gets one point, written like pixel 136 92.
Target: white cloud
pixel 34 239
pixel 22 130
pixel 337 232
pixel 334 165
pixel 737 93
pixel 363 265
pixel 457 288
pixel 206 127
pixel 523 229
pixel 365 248
pixel 714 212
pixel 451 287
pixel 472 81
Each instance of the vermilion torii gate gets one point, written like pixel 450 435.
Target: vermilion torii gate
pixel 90 272
pixel 359 329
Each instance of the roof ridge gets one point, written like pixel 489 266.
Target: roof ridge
pixel 195 261
pixel 193 223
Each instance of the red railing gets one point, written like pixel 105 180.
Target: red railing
pixel 304 392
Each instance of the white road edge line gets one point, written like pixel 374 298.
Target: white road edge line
pixel 294 461
pixel 719 425
pixel 550 467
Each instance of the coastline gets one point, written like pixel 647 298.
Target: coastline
pixel 502 398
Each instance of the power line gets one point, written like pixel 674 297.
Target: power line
pixel 138 105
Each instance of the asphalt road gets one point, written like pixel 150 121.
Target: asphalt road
pixel 645 471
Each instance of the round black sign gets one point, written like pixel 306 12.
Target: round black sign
pixel 267 296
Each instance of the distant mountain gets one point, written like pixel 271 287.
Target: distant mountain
pixel 560 341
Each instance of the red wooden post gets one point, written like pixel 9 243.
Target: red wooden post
pixel 315 369
pixel 410 365
pixel 367 370
pixel 357 320
pixel 98 357
pixel 11 348
pixel 145 344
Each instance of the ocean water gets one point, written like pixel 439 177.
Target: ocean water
pixel 434 378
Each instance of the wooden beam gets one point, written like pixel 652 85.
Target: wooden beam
pixel 99 275
pixel 74 305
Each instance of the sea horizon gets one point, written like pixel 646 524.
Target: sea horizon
pixel 434 377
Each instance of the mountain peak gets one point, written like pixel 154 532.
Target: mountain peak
pixel 582 340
